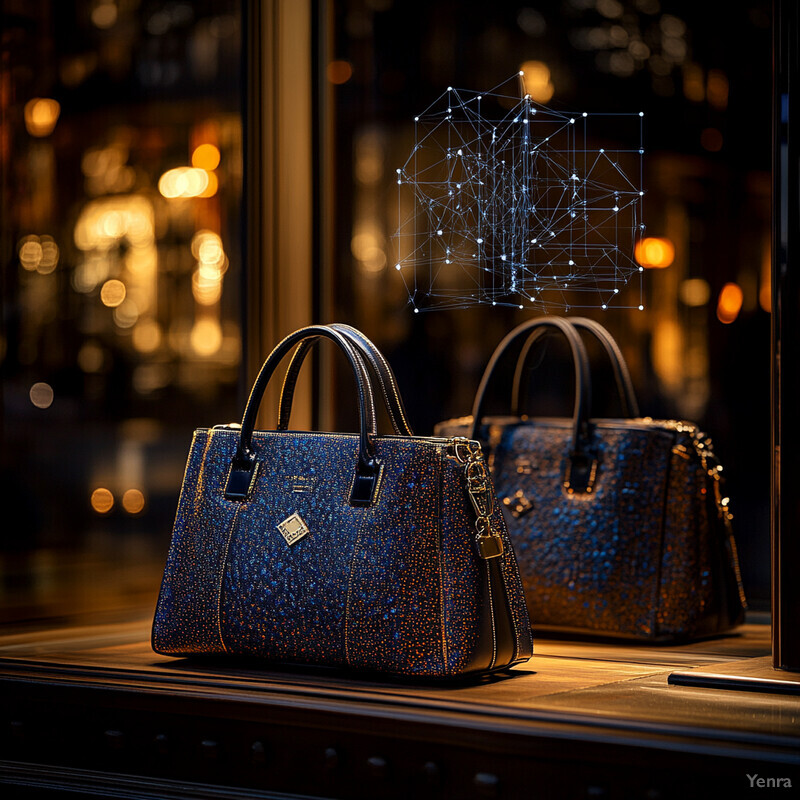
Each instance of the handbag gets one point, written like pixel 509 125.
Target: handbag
pixel 373 552
pixel 620 525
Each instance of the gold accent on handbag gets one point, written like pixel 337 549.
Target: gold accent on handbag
pixel 293 529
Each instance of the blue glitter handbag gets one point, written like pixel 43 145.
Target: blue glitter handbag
pixel 619 525
pixel 374 552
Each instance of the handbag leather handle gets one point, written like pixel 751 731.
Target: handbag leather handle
pixel 385 381
pixel 582 467
pixel 622 377
pixel 244 465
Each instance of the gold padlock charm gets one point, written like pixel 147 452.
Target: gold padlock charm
pixel 490 546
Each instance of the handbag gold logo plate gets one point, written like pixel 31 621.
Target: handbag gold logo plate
pixel 293 528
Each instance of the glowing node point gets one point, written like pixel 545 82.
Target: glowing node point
pixel 572 120
pixel 521 73
pixel 397 266
pixel 641 113
pixel 416 311
pixel 520 308
pixel 604 306
pixel 585 114
pixel 449 88
pixel 641 308
pixel 571 263
pixel 480 241
pixel 439 233
pixel 616 291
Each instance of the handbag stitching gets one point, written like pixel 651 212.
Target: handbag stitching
pixel 511 555
pixel 440 558
pixel 394 392
pixel 491 616
pixel 223 565
pixel 662 536
pixel 512 616
pixel 376 353
pixel 350 587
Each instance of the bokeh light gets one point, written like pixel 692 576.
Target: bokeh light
pixel 41 395
pixel 102 500
pixel 536 78
pixel 133 501
pixel 655 252
pixel 730 302
pixel 113 293
pixel 206 156
pixel 339 72
pixel 41 115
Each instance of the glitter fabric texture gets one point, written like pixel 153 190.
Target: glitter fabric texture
pixel 647 554
pixel 397 586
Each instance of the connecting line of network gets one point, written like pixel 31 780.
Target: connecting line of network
pixel 503 201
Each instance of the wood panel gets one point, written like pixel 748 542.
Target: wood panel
pixel 579 719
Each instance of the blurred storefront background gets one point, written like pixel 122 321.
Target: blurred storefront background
pixel 125 287
pixel 121 331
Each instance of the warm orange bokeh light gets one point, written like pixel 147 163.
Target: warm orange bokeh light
pixel 536 78
pixel 718 89
pixel 113 293
pixel 102 500
pixel 730 303
pixel 339 72
pixel 655 252
pixel 41 115
pixel 133 501
pixel 206 156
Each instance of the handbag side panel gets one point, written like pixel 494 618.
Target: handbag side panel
pixel 468 609
pixel 187 618
pixel 700 586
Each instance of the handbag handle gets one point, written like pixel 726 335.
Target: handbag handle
pixel 386 383
pixel 581 469
pixel 622 377
pixel 244 465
